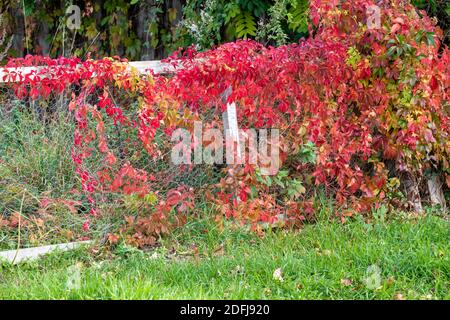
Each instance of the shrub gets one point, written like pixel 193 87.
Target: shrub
pixel 358 108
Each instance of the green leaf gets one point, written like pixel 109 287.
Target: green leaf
pixel 298 17
pixel 231 11
pixel 391 51
pixel 295 189
pixel 307 153
pixel 151 198
pixel 245 25
pixel 430 39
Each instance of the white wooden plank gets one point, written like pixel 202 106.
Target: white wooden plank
pixel 34 253
pixel 142 66
pixel 14 73
pixel 155 65
pixel 230 124
pixel 231 129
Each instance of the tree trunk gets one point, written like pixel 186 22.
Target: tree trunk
pixel 145 16
pixel 411 187
pixel 435 189
pixel 19 30
pixel 42 35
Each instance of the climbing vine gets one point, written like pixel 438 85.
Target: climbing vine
pixel 359 108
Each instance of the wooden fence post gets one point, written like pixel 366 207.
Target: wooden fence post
pixel 231 130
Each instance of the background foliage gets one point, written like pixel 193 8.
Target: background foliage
pixel 148 29
pixel 439 9
pixel 152 29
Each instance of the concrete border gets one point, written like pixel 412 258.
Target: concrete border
pixel 17 256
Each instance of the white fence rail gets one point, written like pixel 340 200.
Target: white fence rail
pixel 142 66
pixel 229 117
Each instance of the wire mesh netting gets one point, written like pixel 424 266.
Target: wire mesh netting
pixel 39 177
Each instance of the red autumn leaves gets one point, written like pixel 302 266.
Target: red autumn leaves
pixel 361 96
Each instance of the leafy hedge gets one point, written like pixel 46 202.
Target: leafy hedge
pixel 358 109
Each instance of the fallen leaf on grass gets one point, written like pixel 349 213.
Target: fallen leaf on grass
pixel 113 238
pixel 399 296
pixel 219 251
pixel 346 282
pixel 278 275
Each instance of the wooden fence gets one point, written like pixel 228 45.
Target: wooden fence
pixel 229 117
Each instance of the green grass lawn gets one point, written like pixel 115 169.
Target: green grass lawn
pixel 400 259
